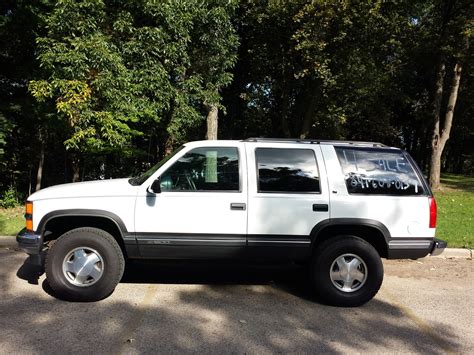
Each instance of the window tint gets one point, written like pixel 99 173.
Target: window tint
pixel 287 170
pixel 204 169
pixel 378 172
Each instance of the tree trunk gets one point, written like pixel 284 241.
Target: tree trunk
pixel 435 161
pixel 308 117
pixel 212 117
pixel 439 139
pixel 39 173
pixel 168 146
pixel 29 182
pixel 76 168
pixel 284 113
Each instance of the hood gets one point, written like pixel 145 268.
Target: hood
pixel 99 188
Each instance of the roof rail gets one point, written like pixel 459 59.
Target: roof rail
pixel 313 141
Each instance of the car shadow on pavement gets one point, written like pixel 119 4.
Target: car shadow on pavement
pixel 216 308
pixel 290 277
pixel 30 272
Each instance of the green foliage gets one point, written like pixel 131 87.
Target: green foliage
pixel 115 69
pixel 456 211
pixel 12 220
pixel 331 69
pixel 5 128
pixel 110 86
pixel 351 51
pixel 79 60
pixel 20 115
pixel 353 70
pixel 9 198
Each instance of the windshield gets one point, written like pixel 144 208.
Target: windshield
pixel 138 180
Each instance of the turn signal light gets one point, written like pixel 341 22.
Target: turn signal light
pixel 29 215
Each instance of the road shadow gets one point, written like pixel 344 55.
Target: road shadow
pixel 184 307
pixel 30 271
pixel 291 278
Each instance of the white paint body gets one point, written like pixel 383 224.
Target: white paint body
pixel 265 214
pixel 200 212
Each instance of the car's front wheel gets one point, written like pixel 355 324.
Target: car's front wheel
pixel 346 271
pixel 84 264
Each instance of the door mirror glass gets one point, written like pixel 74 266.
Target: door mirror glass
pixel 155 187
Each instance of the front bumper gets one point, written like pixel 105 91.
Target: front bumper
pixel 30 242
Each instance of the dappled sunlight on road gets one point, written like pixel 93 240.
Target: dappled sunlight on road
pixel 176 307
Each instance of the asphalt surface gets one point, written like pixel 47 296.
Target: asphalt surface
pixel 424 306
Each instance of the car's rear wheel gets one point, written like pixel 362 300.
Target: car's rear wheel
pixel 84 264
pixel 346 271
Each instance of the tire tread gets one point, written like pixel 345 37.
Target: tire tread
pixel 58 288
pixel 333 296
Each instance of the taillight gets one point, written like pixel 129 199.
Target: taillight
pixel 29 215
pixel 432 212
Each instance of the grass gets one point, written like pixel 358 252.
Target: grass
pixel 11 220
pixel 455 213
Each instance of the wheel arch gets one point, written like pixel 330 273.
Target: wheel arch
pixel 56 223
pixel 373 232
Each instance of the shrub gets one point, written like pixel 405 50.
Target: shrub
pixel 9 198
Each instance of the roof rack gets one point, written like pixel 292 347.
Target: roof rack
pixel 314 141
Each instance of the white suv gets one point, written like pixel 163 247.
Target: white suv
pixel 339 206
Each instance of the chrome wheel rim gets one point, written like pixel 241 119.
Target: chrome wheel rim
pixel 83 266
pixel 348 273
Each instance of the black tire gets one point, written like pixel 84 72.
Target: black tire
pixel 323 259
pixel 112 264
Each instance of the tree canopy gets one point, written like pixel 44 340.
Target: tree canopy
pixel 104 88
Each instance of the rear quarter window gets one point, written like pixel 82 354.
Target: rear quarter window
pixel 378 172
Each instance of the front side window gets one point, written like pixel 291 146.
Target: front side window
pixel 287 170
pixel 204 169
pixel 378 172
pixel 138 180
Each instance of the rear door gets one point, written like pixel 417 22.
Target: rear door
pixel 288 196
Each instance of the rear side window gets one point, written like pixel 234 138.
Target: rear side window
pixel 378 172
pixel 287 170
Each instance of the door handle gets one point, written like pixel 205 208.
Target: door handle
pixel 320 207
pixel 238 206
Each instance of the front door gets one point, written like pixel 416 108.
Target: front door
pixel 201 211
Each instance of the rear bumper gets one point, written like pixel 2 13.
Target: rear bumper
pixel 438 247
pixel 414 249
pixel 30 242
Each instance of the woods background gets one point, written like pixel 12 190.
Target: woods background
pixel 98 89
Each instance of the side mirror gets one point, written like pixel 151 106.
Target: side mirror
pixel 155 187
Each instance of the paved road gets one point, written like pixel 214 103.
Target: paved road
pixel 423 306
